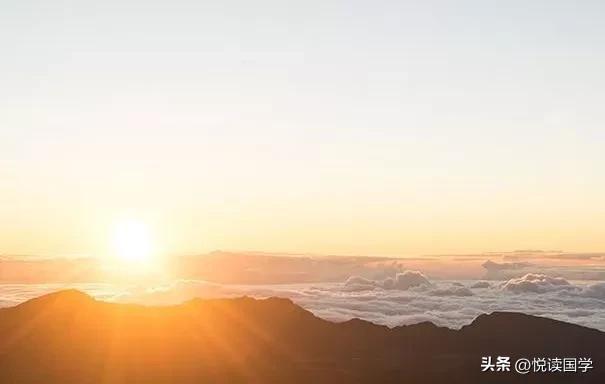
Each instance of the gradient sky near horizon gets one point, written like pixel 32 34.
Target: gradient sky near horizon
pixel 360 127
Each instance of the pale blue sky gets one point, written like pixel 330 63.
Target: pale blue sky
pixel 391 127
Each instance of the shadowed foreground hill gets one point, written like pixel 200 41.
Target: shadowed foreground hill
pixel 68 337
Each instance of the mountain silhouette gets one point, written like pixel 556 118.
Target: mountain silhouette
pixel 69 337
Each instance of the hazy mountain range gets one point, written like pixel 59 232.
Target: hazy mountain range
pixel 68 337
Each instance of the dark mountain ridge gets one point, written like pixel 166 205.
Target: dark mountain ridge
pixel 68 337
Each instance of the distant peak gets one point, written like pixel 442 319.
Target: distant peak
pixel 497 315
pixel 69 294
pixel 66 296
pixel 508 319
pixel 279 300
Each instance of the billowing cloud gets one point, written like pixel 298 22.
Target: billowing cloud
pixel 537 283
pixel 493 266
pixel 594 290
pixel 481 284
pixel 360 283
pixel 453 290
pixel 402 281
pixel 406 280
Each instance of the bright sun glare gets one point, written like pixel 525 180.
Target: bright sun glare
pixel 132 243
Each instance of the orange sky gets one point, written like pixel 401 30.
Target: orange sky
pixel 360 130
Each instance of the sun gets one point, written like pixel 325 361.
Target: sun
pixel 132 243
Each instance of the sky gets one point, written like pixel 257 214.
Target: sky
pixel 376 127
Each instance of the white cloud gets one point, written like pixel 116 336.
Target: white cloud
pixel 406 280
pixel 493 266
pixel 595 290
pixel 360 283
pixel 534 282
pixel 402 281
pixel 454 290
pixel 481 284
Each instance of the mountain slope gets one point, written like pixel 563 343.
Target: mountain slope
pixel 68 337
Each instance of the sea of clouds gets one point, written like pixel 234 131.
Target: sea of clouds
pixel 406 298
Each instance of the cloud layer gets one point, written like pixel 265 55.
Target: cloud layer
pixel 410 297
pixel 407 298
